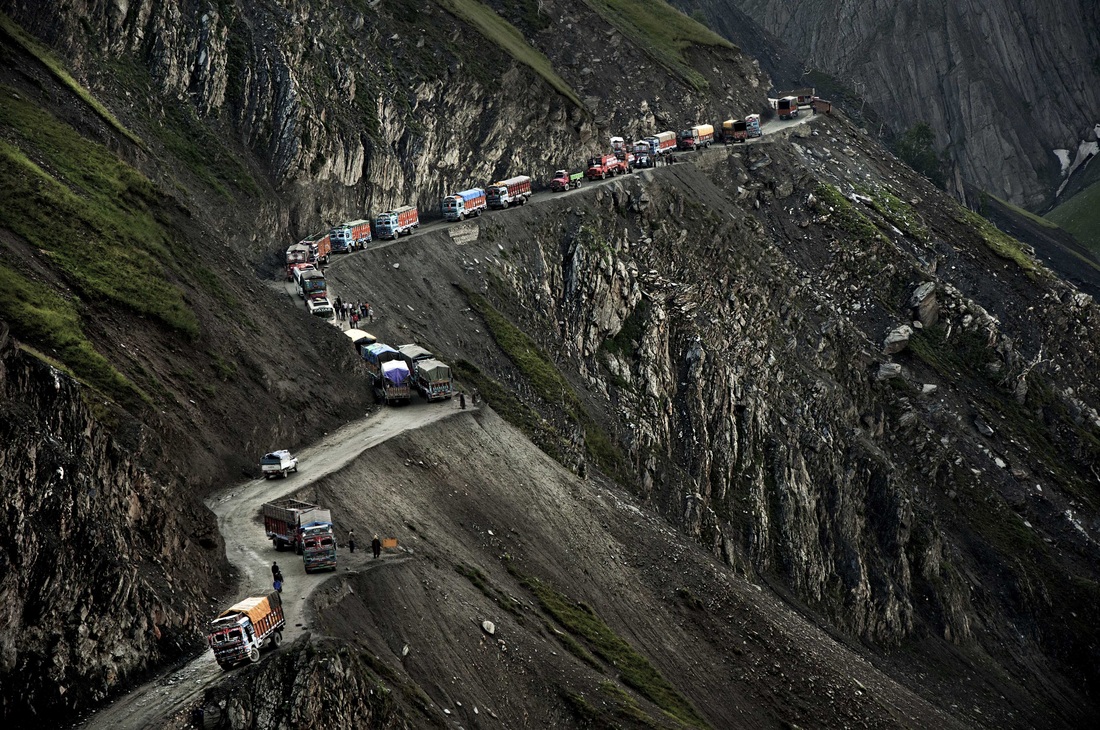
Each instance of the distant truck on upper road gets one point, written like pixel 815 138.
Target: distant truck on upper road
pixel 697 137
pixel 350 236
pixel 513 191
pixel 564 180
pixel 397 222
pixel 602 166
pixel 278 463
pixel 240 631
pixel 787 107
pixel 464 204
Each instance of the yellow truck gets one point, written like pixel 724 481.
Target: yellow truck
pixel 240 631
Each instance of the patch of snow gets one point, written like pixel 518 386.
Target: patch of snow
pixel 1086 150
pixel 1063 159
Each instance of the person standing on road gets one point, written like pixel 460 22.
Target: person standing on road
pixel 376 546
pixel 277 585
pixel 370 313
pixel 276 573
pixel 351 540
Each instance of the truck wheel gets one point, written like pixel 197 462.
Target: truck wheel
pixel 277 639
pixel 277 543
pixel 295 470
pixel 254 655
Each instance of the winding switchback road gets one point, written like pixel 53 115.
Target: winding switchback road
pixel 237 508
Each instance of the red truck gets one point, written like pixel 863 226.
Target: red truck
pixel 602 166
pixel 295 256
pixel 697 137
pixel 563 180
pixel 285 520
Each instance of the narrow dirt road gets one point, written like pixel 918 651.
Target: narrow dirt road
pixel 238 508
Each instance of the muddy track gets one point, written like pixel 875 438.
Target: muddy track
pixel 238 508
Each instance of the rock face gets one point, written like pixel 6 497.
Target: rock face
pixel 1010 87
pixel 106 570
pixel 353 109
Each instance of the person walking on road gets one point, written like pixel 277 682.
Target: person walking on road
pixel 351 540
pixel 376 546
pixel 276 573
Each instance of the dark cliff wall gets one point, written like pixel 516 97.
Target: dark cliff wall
pixel 1003 84
pixel 106 568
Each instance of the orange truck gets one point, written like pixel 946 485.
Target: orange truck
pixel 787 107
pixel 242 630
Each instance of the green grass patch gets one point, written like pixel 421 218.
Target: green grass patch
pixel 661 31
pixel 634 669
pixel 40 315
pixel 93 215
pixel 481 582
pixel 21 38
pixel 551 386
pixel 1024 213
pixel 845 216
pixel 900 214
pixel 1080 215
pixel 512 410
pixel 998 241
pixel 632 331
pixel 505 35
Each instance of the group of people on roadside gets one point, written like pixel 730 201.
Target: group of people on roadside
pixel 277 573
pixel 353 312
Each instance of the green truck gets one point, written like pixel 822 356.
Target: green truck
pixel 564 180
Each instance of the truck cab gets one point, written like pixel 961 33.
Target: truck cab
pixel 563 180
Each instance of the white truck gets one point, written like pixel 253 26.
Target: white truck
pixel 278 463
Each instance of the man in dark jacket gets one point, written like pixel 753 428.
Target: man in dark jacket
pixel 376 546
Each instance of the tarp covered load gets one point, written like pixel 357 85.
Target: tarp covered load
pixel 414 352
pixel 379 353
pixel 360 337
pixel 255 608
pixel 395 372
pixel 433 371
pixel 276 457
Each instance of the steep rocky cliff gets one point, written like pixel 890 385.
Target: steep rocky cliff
pixel 838 382
pixel 1009 87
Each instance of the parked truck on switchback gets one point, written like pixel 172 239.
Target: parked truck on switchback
pixel 284 520
pixel 319 547
pixel 432 379
pixel 240 631
pixel 394 386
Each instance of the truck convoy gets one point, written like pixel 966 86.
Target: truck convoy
pixel 285 520
pixel 319 547
pixel 513 191
pixel 787 107
pixel 350 236
pixel 397 222
pixel 697 137
pixel 661 143
pixel 564 180
pixel 240 631
pixel 375 355
pixel 278 463
pixel 463 204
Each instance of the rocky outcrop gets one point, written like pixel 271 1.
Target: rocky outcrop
pixel 303 685
pixel 1010 87
pixel 106 568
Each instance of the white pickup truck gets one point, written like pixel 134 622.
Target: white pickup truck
pixel 278 463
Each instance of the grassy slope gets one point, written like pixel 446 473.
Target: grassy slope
pixel 96 220
pixel 1080 215
pixel 662 31
pixel 504 34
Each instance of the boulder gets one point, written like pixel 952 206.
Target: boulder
pixel 923 302
pixel 888 370
pixel 897 340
